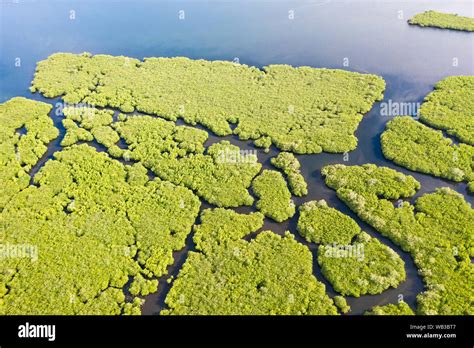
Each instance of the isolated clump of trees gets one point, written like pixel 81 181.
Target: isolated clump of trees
pixel 270 274
pixel 88 124
pixel 438 230
pixel 443 20
pixel 401 308
pixel 369 267
pixel 290 165
pixel 302 110
pixel 274 197
pixel 353 262
pixel 341 303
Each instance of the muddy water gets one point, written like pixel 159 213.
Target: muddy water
pixel 369 35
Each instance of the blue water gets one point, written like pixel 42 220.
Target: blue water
pixel 258 32
pixel 372 36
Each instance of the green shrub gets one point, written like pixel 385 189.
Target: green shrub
pixel 401 308
pixel 341 303
pixel 74 133
pixel 443 20
pixel 353 262
pixel 143 286
pixel 219 226
pixel 451 107
pixel 89 117
pixel 321 224
pixel 366 266
pixel 274 198
pixel 290 165
pixel 105 135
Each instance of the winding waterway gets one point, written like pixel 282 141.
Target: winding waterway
pixel 365 36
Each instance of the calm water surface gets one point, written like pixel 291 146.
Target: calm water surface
pixel 371 36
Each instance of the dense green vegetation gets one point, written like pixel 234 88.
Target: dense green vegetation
pixel 420 148
pixel 401 308
pixel 321 224
pixel 443 20
pixel 230 276
pixel 274 198
pixel 100 233
pixel 74 133
pixel 96 224
pixel 177 154
pixel 20 152
pixel 290 165
pixel 451 107
pixel 87 124
pixel 302 110
pixel 370 267
pixel 341 303
pixel 268 275
pixel 438 231
pixel 220 226
pixel 353 262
